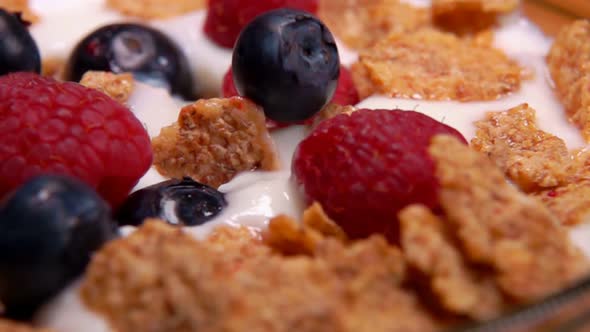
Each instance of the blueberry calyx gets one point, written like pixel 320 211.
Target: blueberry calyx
pixel 178 202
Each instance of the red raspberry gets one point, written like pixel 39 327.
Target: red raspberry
pixel 226 18
pixel 64 128
pixel 366 167
pixel 345 94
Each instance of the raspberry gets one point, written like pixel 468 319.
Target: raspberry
pixel 346 94
pixel 365 167
pixel 226 18
pixel 64 128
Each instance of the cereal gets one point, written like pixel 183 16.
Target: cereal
pixel 213 140
pixel 287 236
pixel 530 157
pixel 53 67
pixel 20 6
pixel 153 9
pixel 433 65
pixel 143 283
pixel 502 228
pixel 329 112
pixel 361 23
pixel 315 218
pixel 570 203
pixel 427 246
pixel 469 15
pixel 569 65
pixel 9 326
pixel 117 86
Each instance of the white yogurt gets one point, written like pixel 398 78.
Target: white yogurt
pixel 67 313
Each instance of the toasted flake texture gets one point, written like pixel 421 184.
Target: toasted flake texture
pixel 117 86
pixel 428 247
pixel 213 140
pixel 329 112
pixel 315 218
pixel 569 65
pixel 53 67
pixel 153 9
pixel 287 236
pixel 361 23
pixel 143 283
pixel 469 15
pixel 20 6
pixel 9 326
pixel 434 65
pixel 570 203
pixel 530 157
pixel 500 227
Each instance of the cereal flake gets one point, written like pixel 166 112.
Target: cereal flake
pixel 213 140
pixel 156 9
pixel 470 15
pixel 9 326
pixel 569 65
pixel 117 86
pixel 330 111
pixel 434 65
pixel 145 283
pixel 570 203
pixel 361 23
pixel 427 246
pixel 20 6
pixel 530 157
pixel 500 227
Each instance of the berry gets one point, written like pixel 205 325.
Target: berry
pixel 366 167
pixel 226 18
pixel 49 228
pixel 18 50
pixel 64 128
pixel 346 93
pixel 287 62
pixel 179 202
pixel 147 53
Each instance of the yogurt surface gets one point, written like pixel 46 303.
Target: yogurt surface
pixel 256 197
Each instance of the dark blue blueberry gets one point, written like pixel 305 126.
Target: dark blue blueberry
pixel 287 62
pixel 49 228
pixel 18 50
pixel 179 202
pixel 147 53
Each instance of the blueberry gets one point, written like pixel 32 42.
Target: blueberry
pixel 287 62
pixel 179 202
pixel 18 51
pixel 147 53
pixel 49 228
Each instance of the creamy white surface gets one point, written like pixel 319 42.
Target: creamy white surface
pixel 59 31
pixel 67 313
pixel 255 197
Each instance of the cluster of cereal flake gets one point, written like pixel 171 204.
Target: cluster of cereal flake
pixel 117 86
pixel 537 162
pixel 153 9
pixel 213 140
pixel 569 65
pixel 361 23
pixel 160 279
pixel 433 65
